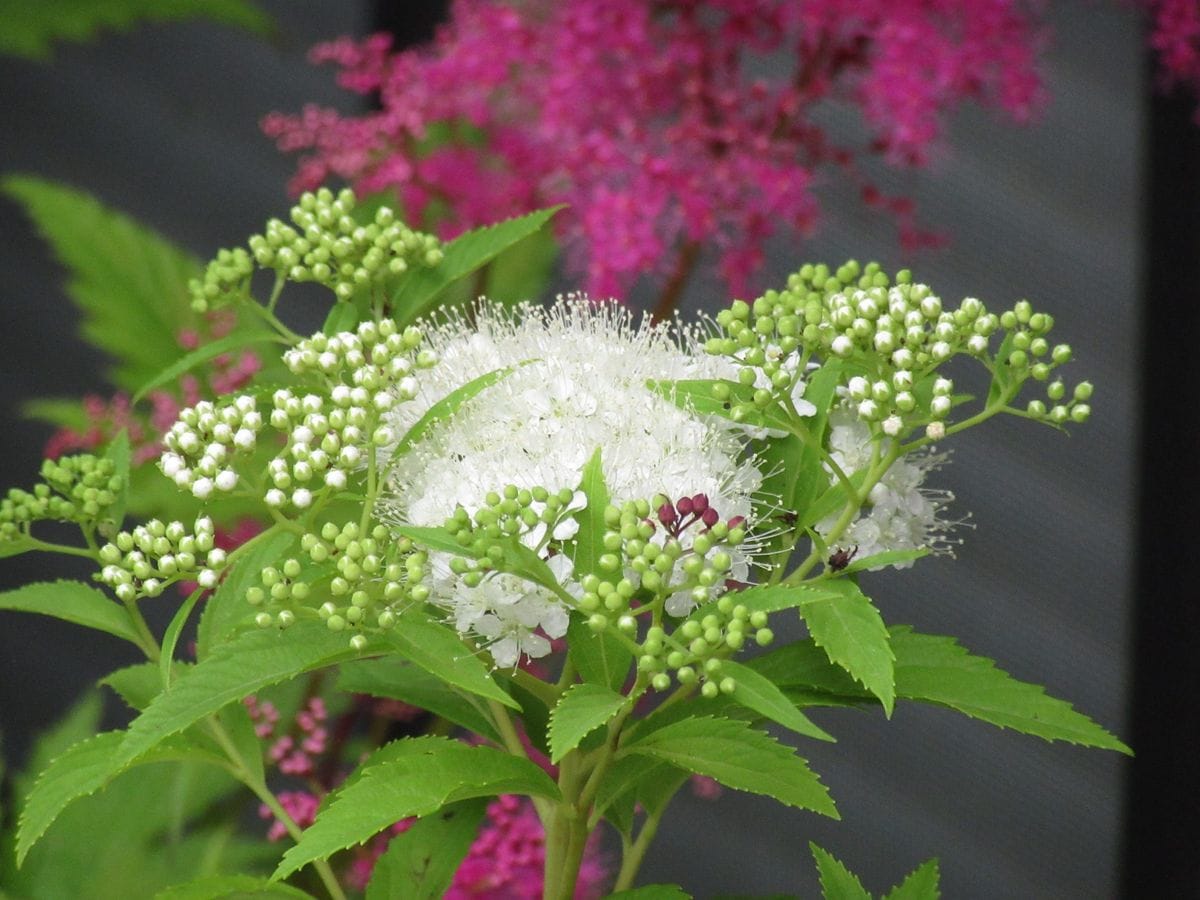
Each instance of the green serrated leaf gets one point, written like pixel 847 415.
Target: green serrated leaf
pixel 420 863
pixel 923 883
pixel 586 549
pixel 399 680
pixel 601 658
pixel 886 558
pixel 226 608
pixel 462 256
pixel 652 892
pixel 138 684
pixel 64 412
pixel 72 601
pixel 837 882
pixel 231 887
pixel 580 711
pixel 758 693
pixel 86 768
pixel 933 669
pixel 129 283
pixel 853 635
pixel 439 650
pixel 121 455
pixel 342 317
pixel 523 271
pixel 697 395
pixel 739 757
pixel 250 662
pixel 32 29
pixel 447 407
pixel 237 340
pixel 416 783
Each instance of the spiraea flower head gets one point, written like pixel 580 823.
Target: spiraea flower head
pixel 78 489
pixel 564 382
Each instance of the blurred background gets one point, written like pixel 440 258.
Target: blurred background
pixel 162 123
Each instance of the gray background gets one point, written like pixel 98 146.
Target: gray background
pixel 162 123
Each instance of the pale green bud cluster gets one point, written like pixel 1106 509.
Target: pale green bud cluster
pixel 363 579
pixel 1060 409
pixel 893 338
pixel 505 515
pixel 694 652
pixel 74 489
pixel 142 562
pixel 227 274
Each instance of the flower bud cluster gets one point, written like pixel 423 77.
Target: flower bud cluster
pixel 893 337
pixel 74 489
pixel 1061 410
pixel 201 446
pixel 534 516
pixel 140 563
pixel 227 274
pixel 365 578
pixel 671 556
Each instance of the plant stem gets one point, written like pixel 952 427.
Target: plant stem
pixel 631 859
pixel 668 301
pixel 48 547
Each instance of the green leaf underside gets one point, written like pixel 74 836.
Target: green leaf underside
pixel 837 882
pixel 923 883
pixel 652 892
pixel 935 669
pixel 854 637
pixel 72 601
pixel 130 284
pixel 398 680
pixel 86 768
pixel 447 407
pixel 440 651
pixel 227 606
pixel 235 341
pixel 231 887
pixel 582 709
pixel 415 783
pixel 420 863
pixel 31 29
pixel 460 258
pixel 739 757
pixel 757 693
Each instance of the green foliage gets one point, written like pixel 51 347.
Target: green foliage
pixel 849 628
pixel 129 283
pixel 226 608
pixel 700 395
pixel 739 757
pixel 399 680
pixel 72 601
pixel 420 863
pixel 238 340
pixel 837 882
pixel 600 657
pixel 418 779
pixel 923 883
pixel 757 693
pixel 461 257
pixel 582 709
pixel 32 29
pixel 652 892
pixel 233 887
pixel 932 669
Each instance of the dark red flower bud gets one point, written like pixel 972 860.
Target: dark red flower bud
pixel 684 506
pixel 710 517
pixel 699 503
pixel 736 521
pixel 666 514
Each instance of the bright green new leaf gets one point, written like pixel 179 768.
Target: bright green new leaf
pixel 755 692
pixel 588 546
pixel 923 883
pixel 739 757
pixel 852 633
pixel 62 412
pixel 582 709
pixel 342 316
pixel 138 684
pixel 234 341
pixel 601 658
pixel 462 256
pixel 129 283
pixel 652 892
pixel 226 608
pixel 886 558
pixel 837 882
pixel 399 680
pixel 31 29
pixel 420 863
pixel 697 394
pixel 72 601
pixel 121 456
pixel 413 784
pixel 233 671
pixel 440 651
pixel 232 887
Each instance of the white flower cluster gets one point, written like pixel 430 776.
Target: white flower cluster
pixel 900 513
pixel 141 562
pixel 578 382
pixel 200 446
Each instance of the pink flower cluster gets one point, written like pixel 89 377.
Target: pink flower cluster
pixel 505 862
pixel 664 126
pixel 1175 38
pixel 293 752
